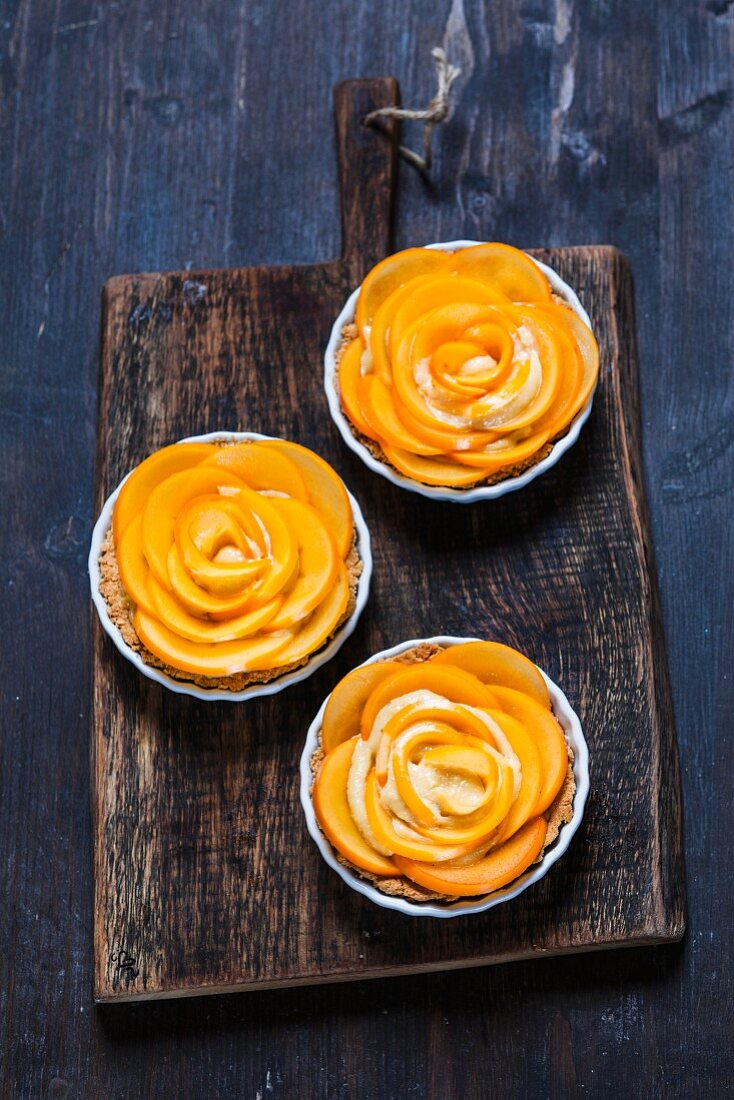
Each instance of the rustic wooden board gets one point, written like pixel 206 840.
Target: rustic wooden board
pixel 205 878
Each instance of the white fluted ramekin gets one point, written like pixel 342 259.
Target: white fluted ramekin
pixel 573 733
pixel 183 687
pixel 438 492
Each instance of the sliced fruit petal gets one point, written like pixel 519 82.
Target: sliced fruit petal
pixel 506 268
pixel 528 797
pixel 133 567
pixel 176 618
pixel 496 664
pixel 498 868
pixel 541 724
pixel 159 466
pixel 318 563
pixel 326 490
pixel 335 818
pixel 323 622
pixel 344 708
pixel 260 469
pixel 220 659
pixel 391 273
pixel 450 683
pixel 350 375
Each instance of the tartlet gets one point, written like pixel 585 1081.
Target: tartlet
pixel 440 777
pixel 461 370
pixel 230 565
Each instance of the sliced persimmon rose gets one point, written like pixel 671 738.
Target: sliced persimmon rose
pixel 463 365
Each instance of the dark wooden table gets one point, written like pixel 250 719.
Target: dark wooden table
pixel 154 135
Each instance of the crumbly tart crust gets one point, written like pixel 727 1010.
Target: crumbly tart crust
pixel 559 813
pixel 349 333
pixel 121 610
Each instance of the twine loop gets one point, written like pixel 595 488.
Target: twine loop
pixel 431 116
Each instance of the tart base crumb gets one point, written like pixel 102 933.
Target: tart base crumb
pixel 558 814
pixel 121 610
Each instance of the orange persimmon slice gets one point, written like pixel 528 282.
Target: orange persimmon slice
pixel 133 567
pixel 261 469
pixel 497 665
pixel 350 376
pixel 547 735
pixel 159 466
pixel 528 797
pixel 443 439
pixel 378 408
pixel 393 272
pixel 344 708
pixel 498 868
pixel 417 300
pixel 206 659
pixel 318 563
pixel 433 471
pixel 495 456
pixel 326 490
pixel 196 599
pixel 506 268
pixel 335 818
pixel 453 684
pixel 166 502
pixel 323 622
pixel 176 618
pixel 385 834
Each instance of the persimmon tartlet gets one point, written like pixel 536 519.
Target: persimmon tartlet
pixel 230 561
pixel 461 367
pixel 442 773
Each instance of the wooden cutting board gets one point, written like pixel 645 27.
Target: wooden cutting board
pixel 205 878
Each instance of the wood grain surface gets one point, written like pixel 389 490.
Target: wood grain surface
pixel 205 879
pixel 161 135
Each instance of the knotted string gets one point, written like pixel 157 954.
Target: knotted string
pixel 432 115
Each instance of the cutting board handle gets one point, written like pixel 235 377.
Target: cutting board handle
pixel 367 171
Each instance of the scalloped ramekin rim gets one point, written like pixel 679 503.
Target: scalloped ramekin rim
pixel 574 735
pixel 181 687
pixel 437 492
